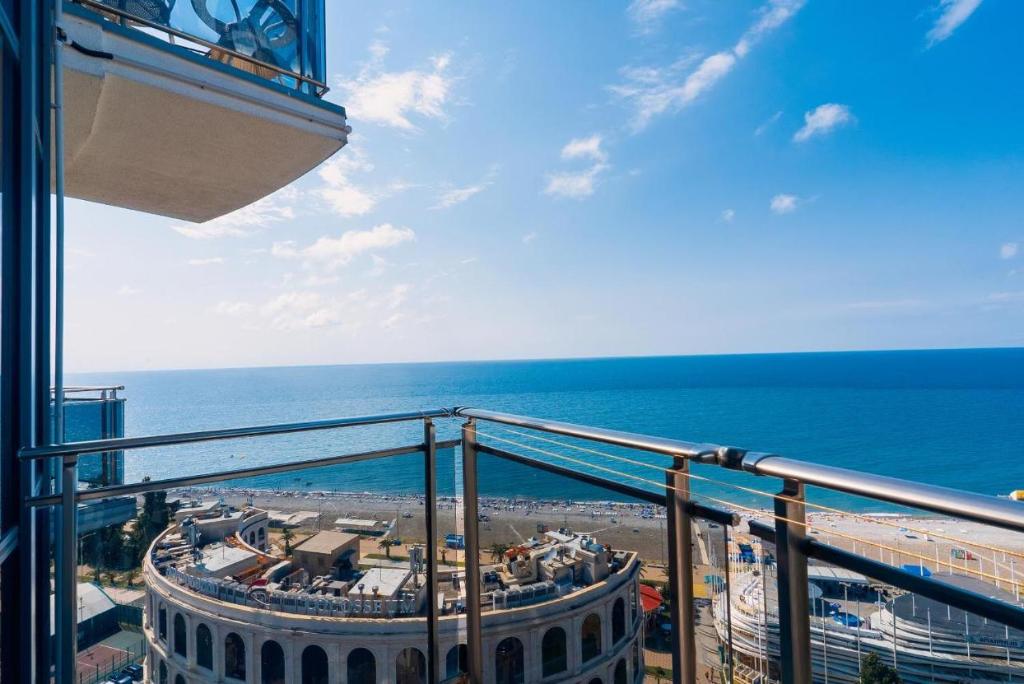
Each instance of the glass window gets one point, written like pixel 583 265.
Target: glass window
pixel 553 652
pixel 618 620
pixel 590 637
pixel 621 677
pixel 162 623
pixel 180 636
pixel 509 667
pixel 178 679
pixel 314 665
pixel 362 667
pixel 411 667
pixel 272 663
pixel 234 657
pixel 455 662
pixel 163 672
pixel 204 647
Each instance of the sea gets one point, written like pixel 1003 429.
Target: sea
pixel 946 417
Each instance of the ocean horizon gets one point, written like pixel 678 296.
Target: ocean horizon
pixel 945 417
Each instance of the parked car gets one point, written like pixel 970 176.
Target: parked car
pixel 134 671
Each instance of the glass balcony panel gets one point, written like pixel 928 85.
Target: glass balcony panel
pixel 271 32
pixel 862 626
pixel 318 551
pixel 573 576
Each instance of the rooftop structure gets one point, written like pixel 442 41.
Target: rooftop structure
pixel 325 551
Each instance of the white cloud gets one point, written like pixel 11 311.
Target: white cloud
pixel 331 253
pixel 575 185
pixel 953 13
pixel 452 196
pixel 579 184
pixel 246 221
pixel 529 237
pixel 768 123
pixel 390 98
pixel 341 194
pixel 887 304
pixel 728 215
pixel 1009 250
pixel 652 91
pixel 823 119
pixel 209 261
pixel 585 148
pixel 646 15
pixel 128 291
pixel 229 308
pixel 784 204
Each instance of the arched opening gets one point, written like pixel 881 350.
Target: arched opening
pixel 362 667
pixel 455 662
pixel 161 623
pixel 180 636
pixel 553 652
pixel 621 677
pixel 163 672
pixel 314 665
pixel 410 667
pixel 204 647
pixel 234 657
pixel 595 680
pixel 508 662
pixel 636 657
pixel 590 637
pixel 178 679
pixel 618 620
pixel 272 663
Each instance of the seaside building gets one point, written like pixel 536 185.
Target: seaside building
pixel 852 616
pixel 557 608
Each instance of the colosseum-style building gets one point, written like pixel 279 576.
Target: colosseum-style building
pixel 561 608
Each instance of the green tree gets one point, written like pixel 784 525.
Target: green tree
pixel 874 671
pixel 498 550
pixel 287 535
pixel 386 544
pixel 153 519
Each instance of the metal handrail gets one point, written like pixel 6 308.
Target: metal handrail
pixel 321 88
pixel 968 505
pixel 958 503
pixel 143 487
pixel 128 443
pixel 632 440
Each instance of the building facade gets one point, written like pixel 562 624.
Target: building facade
pixel 589 635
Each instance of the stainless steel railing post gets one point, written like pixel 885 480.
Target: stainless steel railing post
pixel 430 519
pixel 471 519
pixel 794 611
pixel 66 587
pixel 680 573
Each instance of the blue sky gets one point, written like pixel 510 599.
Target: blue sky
pixel 594 179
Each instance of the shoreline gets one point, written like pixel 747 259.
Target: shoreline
pixel 897 538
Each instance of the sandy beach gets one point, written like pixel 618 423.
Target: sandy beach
pixel 937 543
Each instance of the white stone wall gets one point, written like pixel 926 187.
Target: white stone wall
pixel 387 638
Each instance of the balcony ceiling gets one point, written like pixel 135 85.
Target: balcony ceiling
pixel 152 129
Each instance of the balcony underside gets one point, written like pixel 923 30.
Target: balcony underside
pixel 152 127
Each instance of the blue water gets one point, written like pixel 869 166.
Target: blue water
pixel 948 417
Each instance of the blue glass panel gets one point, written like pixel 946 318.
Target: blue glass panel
pixel 275 32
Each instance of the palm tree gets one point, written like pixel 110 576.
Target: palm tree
pixel 444 556
pixel 386 544
pixel 287 535
pixel 498 550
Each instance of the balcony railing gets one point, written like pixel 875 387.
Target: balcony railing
pixel 765 597
pixel 279 40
